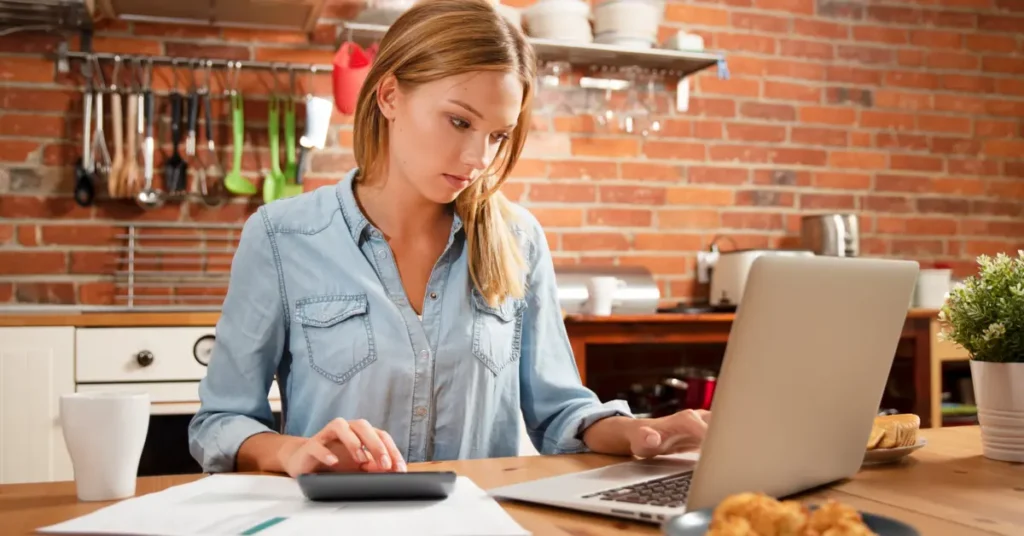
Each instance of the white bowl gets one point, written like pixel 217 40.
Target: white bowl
pixel 560 20
pixel 635 18
pixel 624 41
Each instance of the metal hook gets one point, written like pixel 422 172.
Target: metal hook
pixel 113 76
pixel 174 71
pixel 98 73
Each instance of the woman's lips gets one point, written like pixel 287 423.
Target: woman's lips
pixel 457 181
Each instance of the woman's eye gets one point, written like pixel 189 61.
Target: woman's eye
pixel 501 137
pixel 459 123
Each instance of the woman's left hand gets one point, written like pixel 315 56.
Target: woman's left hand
pixel 680 432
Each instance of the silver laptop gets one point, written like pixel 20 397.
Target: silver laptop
pixel 805 366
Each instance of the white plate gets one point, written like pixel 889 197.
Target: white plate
pixel 878 456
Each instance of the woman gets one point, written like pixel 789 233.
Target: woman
pixel 409 313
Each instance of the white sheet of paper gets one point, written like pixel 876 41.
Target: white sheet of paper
pixel 222 505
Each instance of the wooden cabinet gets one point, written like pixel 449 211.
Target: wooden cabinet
pixel 37 366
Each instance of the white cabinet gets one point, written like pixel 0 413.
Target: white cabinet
pixel 37 365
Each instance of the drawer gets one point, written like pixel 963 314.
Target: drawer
pixel 105 355
pixel 178 398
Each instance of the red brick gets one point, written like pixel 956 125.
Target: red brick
pixel 79 235
pixel 1004 148
pixel 563 193
pixel 958 186
pixel 819 136
pixel 765 198
pixel 828 201
pixel 93 262
pixel 1006 188
pixel 791 92
pixel 711 107
pixel 795 69
pixel 805 157
pixel 866 55
pixel 761 23
pixel 294 55
pixel 968 83
pixel 1005 44
pixel 649 172
pixel 1010 86
pixel 752 220
pixel 708 130
pixel 193 50
pixel 61 293
pixel 6 292
pixel 860 139
pixel 910 57
pixel 668 242
pixel 36 99
pixel 853 75
pixel 950 19
pixel 558 217
pixel 858 160
pixel 15 206
pixel 828 115
pixel 782 177
pixel 903 183
pixel 738 153
pixel 973 166
pixel 916 247
pixel 943 205
pixel 778 112
pixel 126 45
pixel 911 142
pixel 266 36
pixel 894 15
pixel 936 39
pixel 844 181
pixel 582 169
pixel 817 50
pixel 952 61
pixel 887 203
pixel 591 241
pixel 17 151
pixel 987 247
pixel 944 123
pixel 688 219
pixel 916 163
pixel 686 195
pixel 805 7
pixel 32 262
pixel 1005 107
pixel 887 120
pixel 633 194
pixel 605 147
pixel 660 265
pixel 912 79
pixel 754 132
pixel 1001 23
pixel 695 14
pixel 33 126
pixel 738 87
pixel 881 34
pixel 999 64
pixel 820 28
pixel 717 175
pixel 674 150
pixel 745 43
pixel 959 103
pixel 951 145
pixel 619 217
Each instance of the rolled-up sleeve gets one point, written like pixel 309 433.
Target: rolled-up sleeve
pixel 556 406
pixel 250 339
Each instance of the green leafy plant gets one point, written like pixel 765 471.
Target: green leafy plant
pixel 985 314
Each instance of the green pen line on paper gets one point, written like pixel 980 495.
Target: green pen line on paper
pixel 266 524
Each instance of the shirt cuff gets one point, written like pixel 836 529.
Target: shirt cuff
pixel 219 452
pixel 571 442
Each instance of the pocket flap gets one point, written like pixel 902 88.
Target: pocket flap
pixel 326 311
pixel 506 310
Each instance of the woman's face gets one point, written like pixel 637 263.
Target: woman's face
pixel 445 133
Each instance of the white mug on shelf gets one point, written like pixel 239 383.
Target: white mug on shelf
pixel 932 287
pixel 105 433
pixel 601 293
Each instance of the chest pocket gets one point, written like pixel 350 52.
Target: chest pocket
pixel 339 340
pixel 497 331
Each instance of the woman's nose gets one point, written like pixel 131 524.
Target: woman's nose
pixel 475 154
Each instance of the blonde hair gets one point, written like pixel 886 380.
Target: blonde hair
pixel 436 39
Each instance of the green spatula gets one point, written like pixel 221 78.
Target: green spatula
pixel 273 184
pixel 234 181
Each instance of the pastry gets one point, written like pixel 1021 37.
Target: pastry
pixel 757 514
pixel 894 431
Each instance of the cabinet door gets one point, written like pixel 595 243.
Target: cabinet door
pixel 37 365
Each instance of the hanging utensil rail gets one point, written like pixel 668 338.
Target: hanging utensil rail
pixel 182 61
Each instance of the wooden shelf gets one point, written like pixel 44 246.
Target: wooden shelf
pixel 673 62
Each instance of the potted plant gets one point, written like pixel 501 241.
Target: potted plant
pixel 985 315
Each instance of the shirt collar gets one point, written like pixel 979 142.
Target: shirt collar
pixel 356 221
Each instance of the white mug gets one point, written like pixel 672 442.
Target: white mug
pixel 105 433
pixel 601 294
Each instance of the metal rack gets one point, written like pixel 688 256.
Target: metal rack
pixel 174 264
pixel 62 55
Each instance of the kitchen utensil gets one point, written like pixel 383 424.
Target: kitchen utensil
pixel 729 276
pixel 175 167
pixel 211 191
pixel 273 184
pixel 234 181
pixel 351 65
pixel 149 197
pixel 318 119
pixel 100 154
pixel 84 190
pixel 835 235
pixel 115 180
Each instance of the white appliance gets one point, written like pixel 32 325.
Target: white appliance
pixel 729 276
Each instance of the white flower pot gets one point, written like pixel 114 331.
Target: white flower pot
pixel 999 394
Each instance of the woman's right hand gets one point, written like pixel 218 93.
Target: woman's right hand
pixel 344 446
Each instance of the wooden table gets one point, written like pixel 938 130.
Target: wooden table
pixel 946 488
pixel 683 328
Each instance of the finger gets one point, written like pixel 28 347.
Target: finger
pixel 396 455
pixel 321 453
pixel 340 430
pixel 368 435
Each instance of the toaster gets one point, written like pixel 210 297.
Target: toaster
pixel 729 275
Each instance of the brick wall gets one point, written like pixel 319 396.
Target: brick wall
pixel 909 113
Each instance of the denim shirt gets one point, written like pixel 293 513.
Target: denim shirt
pixel 315 301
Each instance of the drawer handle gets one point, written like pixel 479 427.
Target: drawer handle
pixel 144 358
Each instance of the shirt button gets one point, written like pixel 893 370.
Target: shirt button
pixel 433 295
pixel 375 233
pixel 382 254
pixel 425 354
pixel 421 411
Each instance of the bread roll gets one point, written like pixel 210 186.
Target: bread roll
pixel 897 430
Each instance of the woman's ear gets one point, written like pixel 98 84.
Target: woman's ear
pixel 387 96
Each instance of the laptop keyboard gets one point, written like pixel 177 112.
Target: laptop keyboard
pixel 670 491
